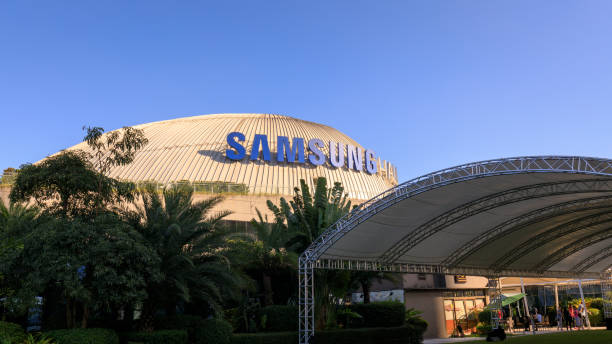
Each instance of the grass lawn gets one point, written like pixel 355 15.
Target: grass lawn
pixel 577 337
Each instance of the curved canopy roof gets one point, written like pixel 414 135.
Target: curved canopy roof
pixel 526 216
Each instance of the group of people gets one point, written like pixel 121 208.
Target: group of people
pixel 571 318
pixel 567 317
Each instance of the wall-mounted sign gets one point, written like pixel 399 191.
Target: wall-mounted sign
pixel 294 151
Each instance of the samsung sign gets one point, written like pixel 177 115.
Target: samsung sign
pixel 293 151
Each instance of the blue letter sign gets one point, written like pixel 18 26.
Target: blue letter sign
pixel 286 151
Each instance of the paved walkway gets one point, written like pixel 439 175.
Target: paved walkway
pixel 516 333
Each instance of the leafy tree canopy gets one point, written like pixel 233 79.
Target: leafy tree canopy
pixel 66 184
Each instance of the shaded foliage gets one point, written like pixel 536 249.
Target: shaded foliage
pixel 66 184
pixel 190 245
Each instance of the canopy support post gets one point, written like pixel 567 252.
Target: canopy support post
pixel 606 294
pixel 496 302
pixel 586 318
pixel 556 297
pixel 306 300
pixel 527 314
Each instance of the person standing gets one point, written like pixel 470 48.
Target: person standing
pixel 581 315
pixel 567 318
pixel 559 319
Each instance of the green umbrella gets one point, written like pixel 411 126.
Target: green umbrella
pixel 506 300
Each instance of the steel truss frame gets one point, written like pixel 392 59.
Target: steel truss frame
pixel 311 257
pixel 495 305
pixel 606 291
pixel 556 232
pixel 573 247
pixel 593 259
pixel 490 202
pixel 525 220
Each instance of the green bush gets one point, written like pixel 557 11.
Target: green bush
pixel 278 318
pixel 157 337
pixel 11 332
pixel 485 316
pixel 265 338
pixel 595 317
pixel 483 328
pixel 388 335
pixel 380 314
pixel 188 323
pixel 84 336
pixel 596 302
pixel 214 331
pixel 418 323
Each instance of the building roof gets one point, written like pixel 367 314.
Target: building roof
pixel 193 149
pixel 526 216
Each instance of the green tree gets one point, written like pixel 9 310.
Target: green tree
pixel 73 188
pixel 8 175
pixel 269 253
pixel 67 185
pixel 16 220
pixel 190 244
pixel 98 265
pixel 116 148
pixel 306 216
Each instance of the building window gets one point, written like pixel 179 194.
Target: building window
pixel 422 276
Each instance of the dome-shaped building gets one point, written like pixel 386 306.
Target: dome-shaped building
pixel 206 151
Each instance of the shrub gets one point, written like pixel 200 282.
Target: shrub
pixel 265 338
pixel 180 322
pixel 380 314
pixel 392 335
pixel 484 317
pixel 11 332
pixel 596 302
pixel 279 318
pixel 404 335
pixel 214 331
pixel 418 323
pixel 595 317
pixel 483 328
pixel 157 337
pixel 84 336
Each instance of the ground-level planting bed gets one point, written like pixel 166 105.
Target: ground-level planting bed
pixel 573 337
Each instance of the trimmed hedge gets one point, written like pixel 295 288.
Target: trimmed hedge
pixel 157 337
pixel 214 331
pixel 84 336
pixel 595 317
pixel 379 314
pixel 181 322
pixel 393 335
pixel 387 335
pixel 265 338
pixel 199 331
pixel 279 318
pixel 11 332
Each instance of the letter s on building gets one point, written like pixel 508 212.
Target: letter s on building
pixel 240 151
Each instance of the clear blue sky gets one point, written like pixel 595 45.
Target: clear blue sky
pixel 426 84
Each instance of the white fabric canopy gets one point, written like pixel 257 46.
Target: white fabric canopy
pixel 529 216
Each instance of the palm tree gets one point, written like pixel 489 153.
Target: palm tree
pixel 271 254
pixel 16 220
pixel 189 242
pixel 305 217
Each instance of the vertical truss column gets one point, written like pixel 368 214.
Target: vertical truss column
pixel 606 291
pixel 306 300
pixel 496 302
